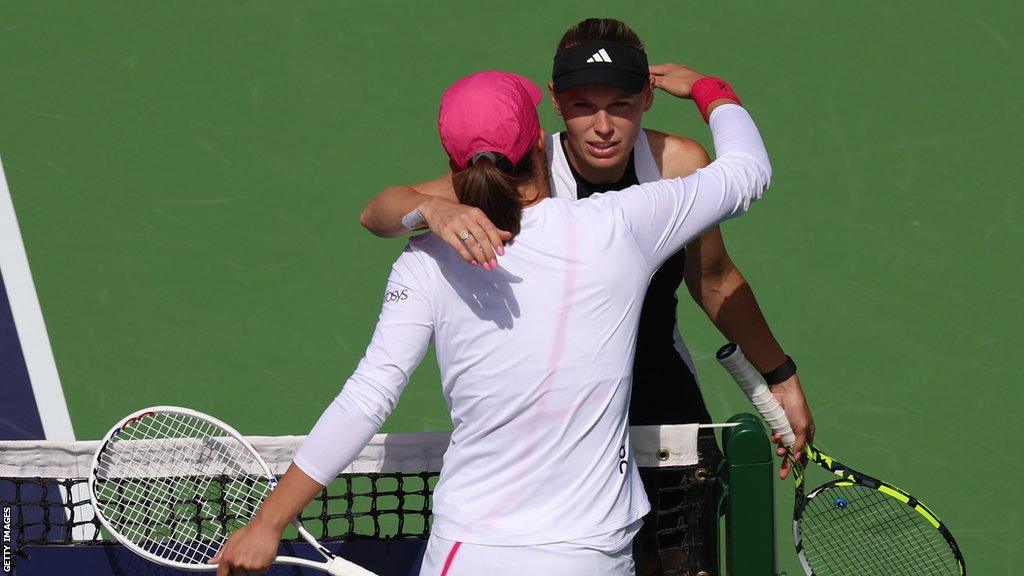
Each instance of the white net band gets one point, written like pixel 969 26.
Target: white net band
pixel 654 446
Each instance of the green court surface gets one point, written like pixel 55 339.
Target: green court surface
pixel 188 178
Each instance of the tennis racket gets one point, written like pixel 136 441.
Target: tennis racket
pixel 856 524
pixel 171 484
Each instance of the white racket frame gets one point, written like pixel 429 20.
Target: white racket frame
pixel 333 565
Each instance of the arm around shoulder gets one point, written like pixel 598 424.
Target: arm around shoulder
pixel 664 216
pixel 439 210
pixel 383 215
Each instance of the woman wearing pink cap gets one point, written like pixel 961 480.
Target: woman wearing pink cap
pixel 601 85
pixel 535 356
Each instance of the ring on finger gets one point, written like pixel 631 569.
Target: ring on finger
pixel 464 235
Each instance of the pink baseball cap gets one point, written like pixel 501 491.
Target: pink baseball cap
pixel 490 111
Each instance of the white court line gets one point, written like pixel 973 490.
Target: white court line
pixel 28 321
pixel 35 342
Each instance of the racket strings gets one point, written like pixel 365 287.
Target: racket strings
pixel 857 530
pixel 189 494
pixel 173 497
pixel 177 486
pixel 878 529
pixel 893 520
pixel 161 497
pixel 887 555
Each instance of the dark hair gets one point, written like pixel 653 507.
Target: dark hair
pixel 599 29
pixel 495 191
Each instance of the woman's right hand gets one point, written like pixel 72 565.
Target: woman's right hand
pixel 250 550
pixel 675 79
pixel 452 221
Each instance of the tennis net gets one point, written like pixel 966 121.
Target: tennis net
pixel 384 495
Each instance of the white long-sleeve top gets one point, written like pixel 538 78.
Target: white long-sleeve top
pixel 536 357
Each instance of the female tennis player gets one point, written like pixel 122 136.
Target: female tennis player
pixel 602 86
pixel 536 356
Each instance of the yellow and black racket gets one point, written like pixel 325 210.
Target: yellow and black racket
pixel 856 524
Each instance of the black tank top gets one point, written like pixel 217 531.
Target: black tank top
pixel 665 390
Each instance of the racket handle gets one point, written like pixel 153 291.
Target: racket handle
pixel 341 567
pixel 335 565
pixel 753 385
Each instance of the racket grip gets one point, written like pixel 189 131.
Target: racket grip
pixel 753 385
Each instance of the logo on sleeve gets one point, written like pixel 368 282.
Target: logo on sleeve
pixel 396 295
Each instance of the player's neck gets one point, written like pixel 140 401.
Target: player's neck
pixel 535 190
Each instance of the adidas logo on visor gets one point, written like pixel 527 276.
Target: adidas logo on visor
pixel 600 56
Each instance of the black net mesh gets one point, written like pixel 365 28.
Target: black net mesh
pixel 680 533
pixel 385 506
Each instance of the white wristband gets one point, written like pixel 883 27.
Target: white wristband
pixel 414 220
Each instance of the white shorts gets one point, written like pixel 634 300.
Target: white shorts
pixel 589 557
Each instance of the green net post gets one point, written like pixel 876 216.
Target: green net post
pixel 749 498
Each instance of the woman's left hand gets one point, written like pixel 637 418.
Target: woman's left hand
pixel 466 229
pixel 675 79
pixel 250 550
pixel 790 394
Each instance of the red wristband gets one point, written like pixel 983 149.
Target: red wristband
pixel 707 90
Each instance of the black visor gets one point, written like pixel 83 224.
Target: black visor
pixel 611 63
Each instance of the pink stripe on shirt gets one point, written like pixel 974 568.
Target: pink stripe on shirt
pixel 450 558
